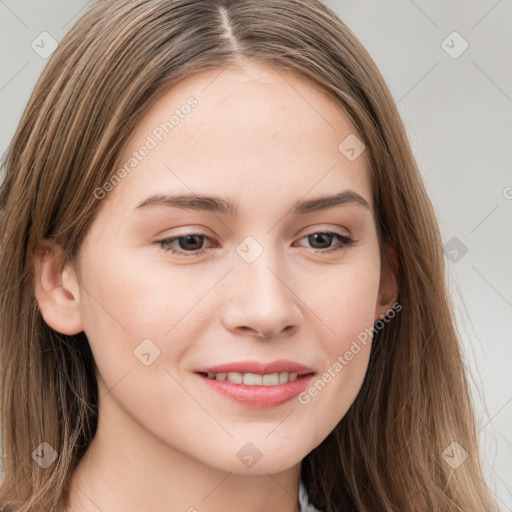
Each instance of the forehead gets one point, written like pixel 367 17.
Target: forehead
pixel 250 131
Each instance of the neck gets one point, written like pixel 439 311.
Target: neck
pixel 127 468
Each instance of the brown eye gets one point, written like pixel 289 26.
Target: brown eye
pixel 186 245
pixel 321 241
pixel 191 242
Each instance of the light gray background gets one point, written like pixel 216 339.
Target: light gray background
pixel 457 113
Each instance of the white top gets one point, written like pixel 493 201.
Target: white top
pixel 305 506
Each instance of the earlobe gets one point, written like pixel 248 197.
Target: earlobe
pixel 388 287
pixel 57 290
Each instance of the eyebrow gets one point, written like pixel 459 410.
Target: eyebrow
pixel 230 208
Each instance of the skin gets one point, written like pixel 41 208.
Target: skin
pixel 164 440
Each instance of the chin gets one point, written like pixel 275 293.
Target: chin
pixel 259 458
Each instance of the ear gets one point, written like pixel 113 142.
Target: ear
pixel 388 288
pixel 57 290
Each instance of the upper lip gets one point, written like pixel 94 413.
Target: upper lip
pixel 282 365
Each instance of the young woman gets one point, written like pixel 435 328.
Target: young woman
pixel 222 278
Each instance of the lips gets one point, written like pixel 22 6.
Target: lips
pixel 282 365
pixel 258 396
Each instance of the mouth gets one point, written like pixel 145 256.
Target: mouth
pixel 279 367
pixel 254 379
pixel 258 385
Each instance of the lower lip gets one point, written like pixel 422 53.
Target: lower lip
pixel 259 396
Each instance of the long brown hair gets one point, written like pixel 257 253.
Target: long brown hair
pixel 386 454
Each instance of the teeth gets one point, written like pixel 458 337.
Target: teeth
pixel 237 378
pixel 253 379
pixel 270 380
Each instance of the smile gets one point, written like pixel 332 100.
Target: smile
pixel 255 393
pixel 253 379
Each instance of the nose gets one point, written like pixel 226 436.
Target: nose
pixel 260 299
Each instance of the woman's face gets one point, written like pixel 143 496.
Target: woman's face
pixel 263 142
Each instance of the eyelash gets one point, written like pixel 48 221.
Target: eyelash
pixel 345 243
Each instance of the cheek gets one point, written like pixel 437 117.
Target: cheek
pixel 130 300
pixel 344 299
pixel 346 309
